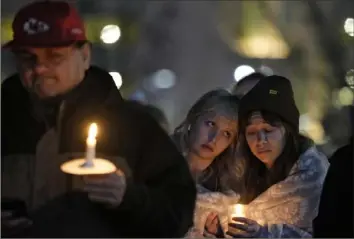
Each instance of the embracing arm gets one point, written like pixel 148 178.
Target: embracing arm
pixel 288 207
pixel 283 231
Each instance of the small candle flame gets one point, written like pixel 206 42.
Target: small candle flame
pixel 239 210
pixel 93 131
pixel 236 210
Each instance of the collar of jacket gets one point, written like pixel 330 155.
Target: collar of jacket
pixel 96 89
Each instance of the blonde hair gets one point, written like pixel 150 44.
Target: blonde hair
pixel 212 102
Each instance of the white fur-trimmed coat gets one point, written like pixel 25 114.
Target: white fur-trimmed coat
pixel 286 209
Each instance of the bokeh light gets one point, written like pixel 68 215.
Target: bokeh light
pixel 117 78
pixel 164 79
pixel 346 96
pixel 242 71
pixel 266 70
pixel 349 78
pixel 349 26
pixel 110 34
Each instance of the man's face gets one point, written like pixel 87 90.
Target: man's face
pixel 49 72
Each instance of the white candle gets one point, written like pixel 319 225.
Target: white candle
pixel 90 165
pixel 91 144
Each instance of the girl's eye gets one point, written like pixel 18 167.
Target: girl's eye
pixel 269 130
pixel 227 134
pixel 210 123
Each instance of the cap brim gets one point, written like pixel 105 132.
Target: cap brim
pixel 15 44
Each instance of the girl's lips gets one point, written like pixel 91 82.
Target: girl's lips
pixel 207 147
pixel 263 151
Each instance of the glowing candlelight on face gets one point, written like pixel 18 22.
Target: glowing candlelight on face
pixel 91 144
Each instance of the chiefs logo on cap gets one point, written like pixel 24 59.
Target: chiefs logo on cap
pixel 33 26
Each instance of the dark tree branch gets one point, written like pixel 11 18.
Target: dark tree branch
pixel 329 39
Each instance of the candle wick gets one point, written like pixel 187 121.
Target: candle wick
pixel 87 164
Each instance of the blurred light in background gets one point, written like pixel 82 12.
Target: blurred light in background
pixel 349 26
pixel 251 32
pixel 266 70
pixel 242 71
pixel 349 78
pixel 117 79
pixel 312 128
pixel 164 79
pixel 110 34
pixel 263 47
pixel 345 96
pixel 139 95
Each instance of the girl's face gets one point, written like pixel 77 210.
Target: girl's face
pixel 265 141
pixel 212 134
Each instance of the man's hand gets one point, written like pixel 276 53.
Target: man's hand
pixel 106 189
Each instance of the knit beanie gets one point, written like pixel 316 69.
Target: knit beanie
pixel 273 94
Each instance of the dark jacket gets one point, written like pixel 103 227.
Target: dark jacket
pixel 335 217
pixel 160 196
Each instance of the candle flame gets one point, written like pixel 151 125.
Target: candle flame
pixel 240 210
pixel 93 131
pixel 237 210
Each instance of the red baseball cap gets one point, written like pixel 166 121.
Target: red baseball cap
pixel 47 24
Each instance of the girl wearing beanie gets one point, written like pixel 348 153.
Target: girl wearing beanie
pixel 283 172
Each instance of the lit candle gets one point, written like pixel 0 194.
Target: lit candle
pixel 236 210
pixel 91 145
pixel 90 165
pixel 239 210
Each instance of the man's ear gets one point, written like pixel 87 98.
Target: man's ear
pixel 86 54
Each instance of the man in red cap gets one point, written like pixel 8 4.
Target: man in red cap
pixel 46 108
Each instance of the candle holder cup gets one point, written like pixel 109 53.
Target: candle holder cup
pixel 81 166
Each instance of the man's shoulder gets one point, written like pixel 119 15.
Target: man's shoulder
pixel 342 160
pixel 343 152
pixel 126 110
pixel 13 95
pixel 113 121
pixel 11 84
